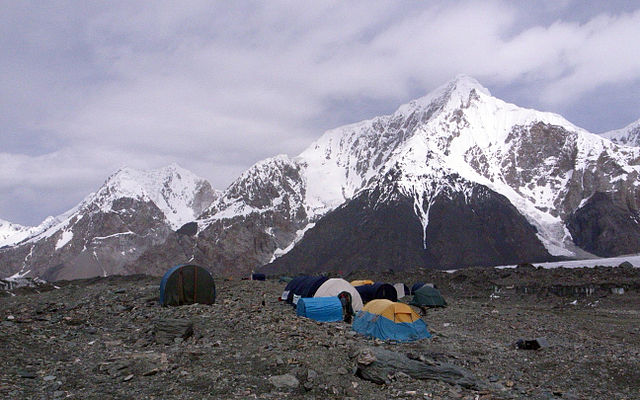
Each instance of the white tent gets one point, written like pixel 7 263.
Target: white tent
pixel 335 286
pixel 400 290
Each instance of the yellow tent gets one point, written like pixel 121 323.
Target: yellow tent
pixel 361 282
pixel 396 312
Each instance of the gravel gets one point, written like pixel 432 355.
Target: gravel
pixel 95 339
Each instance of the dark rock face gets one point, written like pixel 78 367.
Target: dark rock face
pixel 606 225
pixel 357 236
pixel 484 229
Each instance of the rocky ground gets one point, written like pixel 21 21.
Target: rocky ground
pixel 94 338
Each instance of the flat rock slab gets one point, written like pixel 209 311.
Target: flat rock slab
pixel 377 365
pixel 166 330
pixel 286 380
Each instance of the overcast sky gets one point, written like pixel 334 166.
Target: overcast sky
pixel 87 87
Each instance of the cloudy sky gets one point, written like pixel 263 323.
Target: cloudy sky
pixel 87 87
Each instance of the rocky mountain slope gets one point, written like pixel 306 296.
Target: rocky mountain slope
pixel 132 211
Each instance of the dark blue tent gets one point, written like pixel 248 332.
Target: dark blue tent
pixel 258 277
pixel 302 286
pixel 324 309
pixel 378 290
pixel 416 286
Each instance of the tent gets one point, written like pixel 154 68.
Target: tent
pixel 418 285
pixel 187 284
pixel 302 286
pixel 258 277
pixel 401 290
pixel 324 309
pixel 335 286
pixel 387 320
pixel 361 282
pixel 427 296
pixel 378 290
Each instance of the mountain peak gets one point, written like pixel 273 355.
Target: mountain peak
pixel 465 84
pixel 453 92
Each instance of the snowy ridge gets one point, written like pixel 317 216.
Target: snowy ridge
pixel 13 233
pixel 172 189
pixel 629 135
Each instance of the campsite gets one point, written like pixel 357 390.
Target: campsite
pixel 99 338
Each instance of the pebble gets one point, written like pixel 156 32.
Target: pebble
pixel 49 378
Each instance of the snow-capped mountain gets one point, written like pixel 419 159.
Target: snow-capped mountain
pixel 455 178
pixel 13 233
pixel 111 227
pixel 479 180
pixel 628 136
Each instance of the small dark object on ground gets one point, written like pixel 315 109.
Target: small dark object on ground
pixel 534 344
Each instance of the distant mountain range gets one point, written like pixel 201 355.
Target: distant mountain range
pixel 456 178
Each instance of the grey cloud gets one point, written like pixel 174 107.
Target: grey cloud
pixel 216 86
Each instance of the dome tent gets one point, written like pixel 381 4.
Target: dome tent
pixel 335 286
pixel 302 286
pixel 378 290
pixel 427 296
pixel 323 309
pixel 387 320
pixel 401 290
pixel 187 284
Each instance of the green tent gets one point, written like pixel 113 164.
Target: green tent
pixel 427 296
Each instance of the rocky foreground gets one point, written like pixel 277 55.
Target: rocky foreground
pixel 108 338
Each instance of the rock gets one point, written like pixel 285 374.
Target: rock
pixel 379 364
pixel 342 371
pixel 625 264
pixel 311 375
pixel 128 377
pixel 26 374
pixel 49 378
pixel 286 380
pixel 167 330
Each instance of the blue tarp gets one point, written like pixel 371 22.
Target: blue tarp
pixel 374 325
pixel 378 290
pixel 324 309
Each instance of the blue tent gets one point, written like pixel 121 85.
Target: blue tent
pixel 302 286
pixel 416 286
pixel 324 309
pixel 386 320
pixel 378 290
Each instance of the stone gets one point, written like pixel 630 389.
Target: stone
pixel 286 380
pixel 387 363
pixel 311 375
pixel 26 374
pixel 167 330
pixel 49 378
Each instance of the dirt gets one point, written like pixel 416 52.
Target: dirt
pixel 94 338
